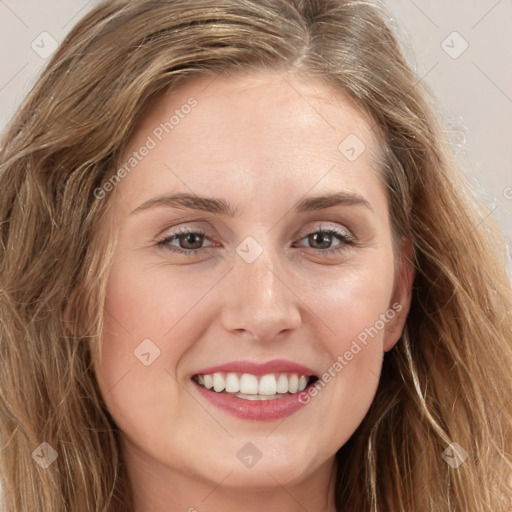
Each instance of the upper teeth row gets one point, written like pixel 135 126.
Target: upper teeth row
pixel 249 384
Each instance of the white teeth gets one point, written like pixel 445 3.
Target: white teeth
pixel 248 384
pixel 264 387
pixel 293 384
pixel 282 383
pixel 232 383
pixel 268 385
pixel 218 382
pixel 208 381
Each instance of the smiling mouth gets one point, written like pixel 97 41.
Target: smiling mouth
pixel 255 387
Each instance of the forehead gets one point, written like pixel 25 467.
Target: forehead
pixel 255 131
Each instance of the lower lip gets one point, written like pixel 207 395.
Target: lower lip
pixel 255 410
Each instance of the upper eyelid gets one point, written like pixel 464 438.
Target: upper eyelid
pixel 324 225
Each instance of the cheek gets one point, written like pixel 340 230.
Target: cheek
pixel 143 303
pixel 140 314
pixel 356 308
pixel 351 304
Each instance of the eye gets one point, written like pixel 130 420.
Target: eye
pixel 322 239
pixel 188 241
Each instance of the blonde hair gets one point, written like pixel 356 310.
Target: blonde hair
pixel 448 379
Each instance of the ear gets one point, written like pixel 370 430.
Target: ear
pixel 402 294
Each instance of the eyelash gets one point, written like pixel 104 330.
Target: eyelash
pixel 345 239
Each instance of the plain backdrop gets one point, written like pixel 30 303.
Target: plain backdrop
pixel 460 49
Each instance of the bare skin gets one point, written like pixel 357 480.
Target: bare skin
pixel 262 143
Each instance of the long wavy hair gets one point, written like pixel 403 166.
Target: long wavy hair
pixel 449 378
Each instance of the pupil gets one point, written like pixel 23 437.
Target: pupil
pixel 189 239
pixel 322 238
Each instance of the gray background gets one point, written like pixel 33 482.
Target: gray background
pixel 474 89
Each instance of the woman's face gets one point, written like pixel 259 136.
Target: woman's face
pixel 255 253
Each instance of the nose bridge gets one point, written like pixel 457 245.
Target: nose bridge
pixel 259 272
pixel 258 298
pixel 262 278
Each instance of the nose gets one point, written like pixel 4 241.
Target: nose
pixel 259 301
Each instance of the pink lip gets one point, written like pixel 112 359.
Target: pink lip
pixel 260 410
pixel 274 366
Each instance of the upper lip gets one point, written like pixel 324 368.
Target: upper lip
pixel 259 368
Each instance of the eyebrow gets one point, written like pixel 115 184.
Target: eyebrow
pixel 222 207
